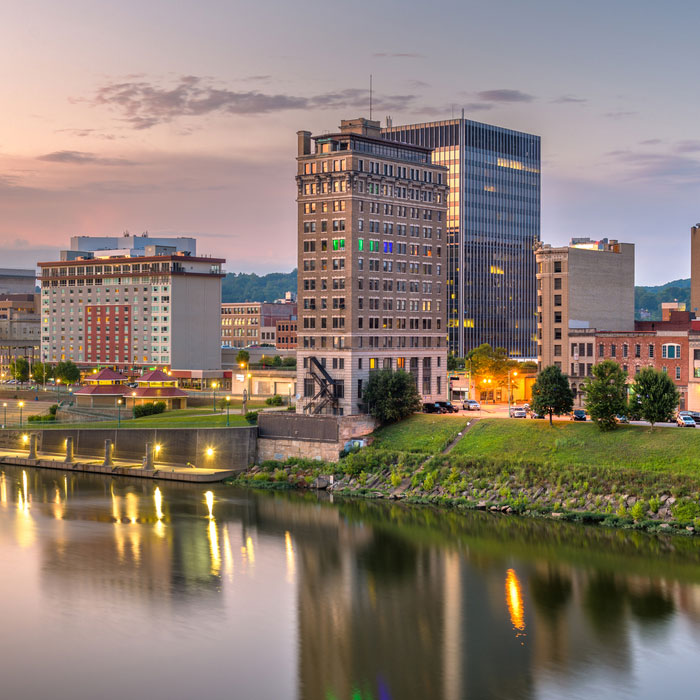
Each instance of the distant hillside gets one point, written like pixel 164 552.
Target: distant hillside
pixel 649 299
pixel 243 286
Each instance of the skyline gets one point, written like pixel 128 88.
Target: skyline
pixel 173 120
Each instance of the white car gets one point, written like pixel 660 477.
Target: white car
pixel 518 413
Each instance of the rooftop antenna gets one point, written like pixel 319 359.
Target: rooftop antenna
pixel 370 97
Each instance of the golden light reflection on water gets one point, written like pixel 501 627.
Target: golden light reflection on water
pixel 158 499
pixel 209 498
pixel 132 507
pixel 214 547
pixel 228 553
pixel 514 599
pixel 249 550
pixel 3 489
pixel 289 549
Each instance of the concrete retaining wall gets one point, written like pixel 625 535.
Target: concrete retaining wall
pixel 232 448
pixel 281 449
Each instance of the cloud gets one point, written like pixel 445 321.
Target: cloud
pixel 688 146
pixel 398 55
pixel 144 105
pixel 619 115
pixel 504 95
pixel 569 99
pixel 659 168
pixel 85 133
pixel 650 142
pixel 82 158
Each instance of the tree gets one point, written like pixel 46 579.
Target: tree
pixel 19 369
pixel 492 365
pixel 41 371
pixel 454 362
pixel 656 395
pixel 243 357
pixel 67 372
pixel 391 395
pixel 606 393
pixel 551 393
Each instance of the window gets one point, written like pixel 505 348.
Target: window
pixel 557 316
pixel 601 350
pixel 678 372
pixel 651 351
pixel 557 266
pixel 557 283
pixel 557 300
pixel 671 351
pixel 557 351
pixel 613 350
pixel 637 350
pixel 625 350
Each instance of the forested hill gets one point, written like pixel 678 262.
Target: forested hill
pixel 242 286
pixel 649 299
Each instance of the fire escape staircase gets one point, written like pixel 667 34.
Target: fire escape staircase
pixel 325 396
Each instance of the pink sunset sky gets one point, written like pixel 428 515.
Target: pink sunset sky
pixel 180 118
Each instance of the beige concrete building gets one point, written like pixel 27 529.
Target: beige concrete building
pixel 20 329
pixel 132 312
pixel 587 284
pixel 371 260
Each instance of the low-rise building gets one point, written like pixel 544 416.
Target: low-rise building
pixel 253 323
pixel 286 338
pixel 20 329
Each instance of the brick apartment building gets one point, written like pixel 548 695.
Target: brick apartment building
pixel 255 323
pixel 132 312
pixel 372 266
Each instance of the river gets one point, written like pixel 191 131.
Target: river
pixel 116 589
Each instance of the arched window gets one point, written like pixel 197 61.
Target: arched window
pixel 671 351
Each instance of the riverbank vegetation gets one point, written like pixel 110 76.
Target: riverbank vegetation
pixel 632 477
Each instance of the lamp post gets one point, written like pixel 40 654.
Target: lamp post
pixel 514 374
pixel 228 408
pixel 245 399
pixel 213 386
pixel 119 413
pixel 289 399
pixel 58 390
pixel 4 420
pixel 21 404
pixel 133 400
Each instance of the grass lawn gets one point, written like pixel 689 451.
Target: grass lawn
pixel 583 444
pixel 420 433
pixel 186 418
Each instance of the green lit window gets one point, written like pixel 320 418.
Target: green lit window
pixel 360 244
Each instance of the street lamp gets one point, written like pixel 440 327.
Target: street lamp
pixel 4 420
pixel 213 386
pixel 515 374
pixel 58 390
pixel 21 404
pixel 119 413
pixel 133 400
pixel 228 408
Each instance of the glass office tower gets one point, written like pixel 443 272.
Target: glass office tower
pixel 493 224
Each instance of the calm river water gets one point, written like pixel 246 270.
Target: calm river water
pixel 130 589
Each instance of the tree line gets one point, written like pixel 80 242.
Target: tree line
pixel 40 372
pixel 653 396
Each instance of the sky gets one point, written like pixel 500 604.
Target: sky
pixel 180 117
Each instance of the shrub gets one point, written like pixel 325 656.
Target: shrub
pixel 362 478
pixel 638 511
pixel 429 481
pixel 252 417
pixel 654 504
pixel 686 511
pixel 149 409
pixel 52 409
pixel 41 419
pixel 261 476
pixel 275 400
pixel 395 478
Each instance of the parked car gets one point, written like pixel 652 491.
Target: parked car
pixel 518 413
pixel 621 419
pixel 578 414
pixel 536 415
pixel 132 385
pixel 433 408
pixel 471 405
pixel 685 422
pixel 447 406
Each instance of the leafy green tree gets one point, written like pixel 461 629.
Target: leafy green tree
pixel 243 356
pixel 276 361
pixel 41 371
pixel 606 393
pixel 486 362
pixel 656 396
pixel 391 395
pixel 551 393
pixel 68 372
pixel 19 369
pixel 454 363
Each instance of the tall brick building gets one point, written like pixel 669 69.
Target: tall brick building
pixel 371 260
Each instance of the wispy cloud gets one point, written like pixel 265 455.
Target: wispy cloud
pixel 82 158
pixel 619 115
pixel 398 55
pixel 660 168
pixel 504 95
pixel 688 146
pixel 569 99
pixel 144 104
pixel 650 142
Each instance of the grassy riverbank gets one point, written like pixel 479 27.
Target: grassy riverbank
pixel 632 477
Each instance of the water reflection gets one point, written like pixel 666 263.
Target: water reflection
pixel 350 600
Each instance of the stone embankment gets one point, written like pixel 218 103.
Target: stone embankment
pixel 425 481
